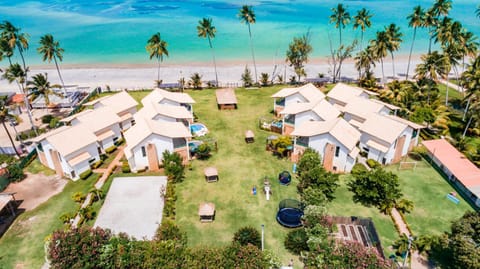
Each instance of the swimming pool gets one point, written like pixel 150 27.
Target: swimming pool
pixel 198 129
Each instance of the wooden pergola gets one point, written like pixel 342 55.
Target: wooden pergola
pixel 226 99
pixel 211 174
pixel 206 211
pixel 249 136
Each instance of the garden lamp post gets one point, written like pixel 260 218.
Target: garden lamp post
pixel 263 235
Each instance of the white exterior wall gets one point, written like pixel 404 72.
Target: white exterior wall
pixel 294 98
pixel 126 124
pixel 138 162
pixel 343 162
pixel 306 116
pixel 373 153
pixel 108 142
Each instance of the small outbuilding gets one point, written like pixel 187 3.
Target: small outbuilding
pixel 211 174
pixel 249 136
pixel 206 211
pixel 226 99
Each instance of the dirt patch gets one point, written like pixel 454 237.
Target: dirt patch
pixel 36 189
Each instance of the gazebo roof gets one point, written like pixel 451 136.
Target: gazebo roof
pixel 249 134
pixel 206 209
pixel 226 96
pixel 210 171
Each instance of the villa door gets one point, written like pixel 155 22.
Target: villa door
pixel 152 157
pixel 398 151
pixel 56 162
pixel 328 156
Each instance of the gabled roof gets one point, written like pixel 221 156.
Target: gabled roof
pixel 145 127
pixel 344 93
pixel 362 107
pixel 152 110
pixel 383 127
pixel 157 95
pixel 407 122
pixel 226 96
pixel 464 170
pixel 323 109
pixel 98 119
pixel 308 91
pixel 346 134
pixel 118 102
pixel 69 139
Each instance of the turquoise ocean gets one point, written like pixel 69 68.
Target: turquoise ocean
pixel 115 32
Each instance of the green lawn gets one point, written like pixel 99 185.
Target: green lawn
pixel 452 93
pixel 35 167
pixel 343 205
pixel 241 166
pixel 24 242
pixel 433 212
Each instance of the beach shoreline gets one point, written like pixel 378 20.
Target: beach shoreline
pixel 140 76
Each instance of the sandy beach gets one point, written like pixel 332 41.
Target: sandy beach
pixel 140 76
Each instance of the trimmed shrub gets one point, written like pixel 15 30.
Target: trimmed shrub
pixel 172 163
pixel 53 123
pixel 15 173
pixel 373 164
pixel 47 118
pixel 169 231
pixel 203 151
pixel 110 149
pixel 119 142
pixel 66 217
pixel 125 167
pixel 248 235
pixel 96 164
pixel 296 241
pixel 78 197
pixel 357 168
pixel 87 213
pixel 85 174
pixel 4 181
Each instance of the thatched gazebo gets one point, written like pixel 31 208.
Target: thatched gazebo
pixel 226 99
pixel 249 136
pixel 206 211
pixel 211 174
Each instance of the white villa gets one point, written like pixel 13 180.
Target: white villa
pixel 148 139
pixel 161 96
pixel 297 113
pixel 69 150
pixel 368 125
pixel 305 94
pixel 169 113
pixel 122 104
pixel 335 140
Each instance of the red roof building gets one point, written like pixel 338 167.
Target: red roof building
pixel 456 166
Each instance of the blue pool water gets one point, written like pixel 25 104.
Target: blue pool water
pixel 116 31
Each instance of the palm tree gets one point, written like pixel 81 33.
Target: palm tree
pixel 206 29
pixel 5 50
pixel 247 16
pixel 429 22
pixel 15 39
pixel 156 47
pixel 468 43
pixel 415 20
pixel 379 47
pixel 50 49
pixel 362 20
pixel 16 73
pixel 441 7
pixel 394 41
pixel 478 11
pixel 4 117
pixel 340 17
pixel 432 66
pixel 364 60
pixel 401 245
pixel 404 206
pixel 471 81
pixel 40 86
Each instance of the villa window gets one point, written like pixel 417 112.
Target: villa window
pixel 302 141
pixel 384 161
pixel 280 102
pixel 179 143
pixel 132 122
pixel 91 161
pixel 290 119
pixel 414 133
pixel 366 149
pixel 144 152
pixel 73 174
pixel 337 151
pixel 40 147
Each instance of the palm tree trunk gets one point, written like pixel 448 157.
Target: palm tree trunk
pixel 214 62
pixel 60 76
pixel 466 127
pixel 446 90
pixel 10 137
pixel 411 50
pixel 27 105
pixel 383 74
pixel 393 65
pixel 430 41
pixel 361 41
pixel 466 109
pixel 158 73
pixel 340 31
pixel 253 54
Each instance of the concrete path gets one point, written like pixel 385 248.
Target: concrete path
pixel 417 260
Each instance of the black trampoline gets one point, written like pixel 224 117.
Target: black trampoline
pixel 290 213
pixel 284 178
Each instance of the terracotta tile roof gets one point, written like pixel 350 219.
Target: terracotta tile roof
pixel 464 170
pixel 18 98
pixel 226 96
